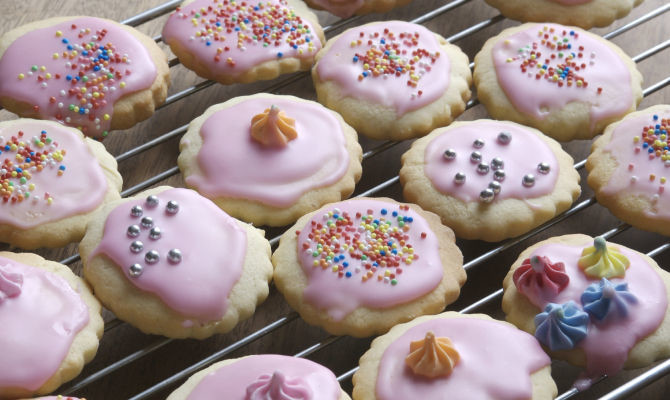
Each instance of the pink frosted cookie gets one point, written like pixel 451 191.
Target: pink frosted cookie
pixel 567 82
pixel 594 304
pixel 347 8
pixel 90 73
pixel 262 377
pixel 52 180
pixel 360 266
pixel 629 166
pixel 241 42
pixel 489 179
pixel 582 13
pixel 270 159
pixel 392 80
pixel 450 354
pixel 172 263
pixel 50 325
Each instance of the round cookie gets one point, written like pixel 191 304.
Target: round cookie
pixel 392 80
pixel 360 266
pixel 262 377
pixel 449 354
pixel 90 73
pixel 241 42
pixel 489 180
pixel 170 262
pixel 564 81
pixel 277 158
pixel 347 8
pixel 583 13
pixel 628 169
pixel 51 325
pixel 52 180
pixel 594 304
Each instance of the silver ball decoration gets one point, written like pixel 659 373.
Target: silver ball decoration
pixel 478 143
pixel 155 233
pixel 483 168
pixel 151 257
pixel 152 201
pixel 136 246
pixel 475 157
pixel 172 207
pixel 459 178
pixel 136 211
pixel 543 168
pixel 135 270
pixel 495 186
pixel 147 222
pixel 528 180
pixel 497 163
pixel 504 137
pixel 174 256
pixel 486 195
pixel 449 154
pixel 133 231
pixel 499 175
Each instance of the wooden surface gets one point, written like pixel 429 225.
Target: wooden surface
pixel 296 336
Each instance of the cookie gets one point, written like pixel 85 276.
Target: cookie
pixel 360 266
pixel 89 73
pixel 583 13
pixel 270 159
pixel 347 8
pixel 262 376
pixel 628 169
pixel 50 321
pixel 564 81
pixel 170 262
pixel 392 80
pixel 449 354
pixel 51 181
pixel 594 304
pixel 489 180
pixel 241 42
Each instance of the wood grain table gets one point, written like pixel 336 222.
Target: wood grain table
pixel 144 361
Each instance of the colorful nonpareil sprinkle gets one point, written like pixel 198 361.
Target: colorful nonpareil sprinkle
pixel 379 241
pixel 21 158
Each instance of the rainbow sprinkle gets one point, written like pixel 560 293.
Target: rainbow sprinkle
pixel 21 161
pixel 378 242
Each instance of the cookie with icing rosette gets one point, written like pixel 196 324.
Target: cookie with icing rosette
pixel 89 73
pixel 597 305
pixel 270 159
pixel 392 80
pixel 562 80
pixel 488 179
pixel 446 355
pixel 51 325
pixel 239 42
pixel 264 376
pixel 629 166
pixel 52 180
pixel 360 266
pixel 347 8
pixel 582 13
pixel 170 262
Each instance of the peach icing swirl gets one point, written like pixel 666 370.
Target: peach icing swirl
pixel 272 128
pixel 432 356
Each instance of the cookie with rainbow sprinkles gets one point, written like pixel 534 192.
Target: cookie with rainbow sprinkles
pixel 392 80
pixel 232 41
pixel 562 80
pixel 360 266
pixel 583 13
pixel 595 304
pixel 89 73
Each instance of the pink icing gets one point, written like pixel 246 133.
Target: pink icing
pixel 212 246
pixel 341 8
pixel 235 46
pixel 276 386
pixel 389 88
pixel 571 2
pixel 636 166
pixel 521 156
pixel 37 326
pixel 607 343
pixel 338 288
pixel 80 188
pixel 39 76
pixel 496 362
pixel 607 89
pixel 234 165
pixel 234 379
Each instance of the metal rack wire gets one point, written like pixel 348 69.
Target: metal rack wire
pixel 633 385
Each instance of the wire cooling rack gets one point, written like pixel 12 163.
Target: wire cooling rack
pixel 136 366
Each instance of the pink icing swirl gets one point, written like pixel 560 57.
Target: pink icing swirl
pixel 75 71
pixel 234 165
pixel 231 37
pixel 193 259
pixel 235 379
pixel 10 284
pixel 403 85
pixel 484 370
pixel 539 274
pixel 520 59
pixel 276 386
pixel 37 325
